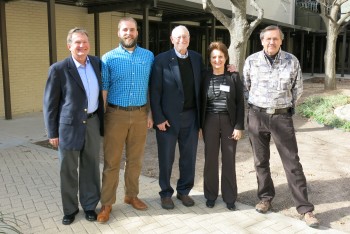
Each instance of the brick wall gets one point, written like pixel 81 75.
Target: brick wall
pixel 2 105
pixel 28 53
pixel 28 47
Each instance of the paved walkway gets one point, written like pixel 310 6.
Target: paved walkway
pixel 30 197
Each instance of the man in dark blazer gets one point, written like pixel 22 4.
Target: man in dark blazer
pixel 175 102
pixel 73 115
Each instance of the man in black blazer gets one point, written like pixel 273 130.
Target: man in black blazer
pixel 175 102
pixel 73 115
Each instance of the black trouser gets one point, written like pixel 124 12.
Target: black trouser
pixel 261 127
pixel 217 129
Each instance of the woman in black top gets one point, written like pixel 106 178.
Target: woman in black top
pixel 222 122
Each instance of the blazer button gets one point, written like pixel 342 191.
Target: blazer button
pixel 84 122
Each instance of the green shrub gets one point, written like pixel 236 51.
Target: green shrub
pixel 321 109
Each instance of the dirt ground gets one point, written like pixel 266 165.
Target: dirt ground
pixel 324 153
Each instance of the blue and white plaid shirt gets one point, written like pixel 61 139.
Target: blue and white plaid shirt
pixel 125 76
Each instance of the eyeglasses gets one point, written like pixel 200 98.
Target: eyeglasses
pixel 184 37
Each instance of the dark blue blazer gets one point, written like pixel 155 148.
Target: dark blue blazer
pixel 166 90
pixel 65 103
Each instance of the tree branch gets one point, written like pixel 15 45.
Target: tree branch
pixel 324 12
pixel 343 27
pixel 344 17
pixel 217 13
pixel 259 18
pixel 238 4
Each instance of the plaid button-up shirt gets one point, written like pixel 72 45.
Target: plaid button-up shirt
pixel 126 75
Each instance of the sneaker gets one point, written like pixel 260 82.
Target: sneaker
pixel 263 206
pixel 311 220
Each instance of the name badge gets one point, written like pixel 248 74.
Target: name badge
pixel 224 88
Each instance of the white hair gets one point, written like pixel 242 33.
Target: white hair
pixel 179 28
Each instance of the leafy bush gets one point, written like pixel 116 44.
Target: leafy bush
pixel 321 109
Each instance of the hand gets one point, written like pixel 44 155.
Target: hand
pixel 236 135
pixel 163 126
pixel 54 142
pixel 149 121
pixel 231 68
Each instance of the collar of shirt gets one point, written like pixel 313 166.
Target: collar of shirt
pixel 272 59
pixel 120 47
pixel 77 64
pixel 183 56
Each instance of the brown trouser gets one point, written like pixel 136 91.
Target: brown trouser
pixel 261 127
pixel 129 128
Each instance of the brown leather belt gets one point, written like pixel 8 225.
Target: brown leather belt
pixel 271 110
pixel 91 114
pixel 128 108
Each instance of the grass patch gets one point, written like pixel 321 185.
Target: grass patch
pixel 321 109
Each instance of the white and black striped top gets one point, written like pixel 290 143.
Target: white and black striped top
pixel 216 98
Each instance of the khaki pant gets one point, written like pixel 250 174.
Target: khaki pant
pixel 127 128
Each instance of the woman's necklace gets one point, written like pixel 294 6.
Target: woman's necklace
pixel 218 81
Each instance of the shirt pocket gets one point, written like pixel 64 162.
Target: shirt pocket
pixel 285 81
pixel 140 62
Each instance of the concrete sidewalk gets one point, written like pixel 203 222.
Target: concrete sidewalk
pixel 30 197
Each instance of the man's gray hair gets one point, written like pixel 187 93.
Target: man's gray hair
pixel 270 28
pixel 75 30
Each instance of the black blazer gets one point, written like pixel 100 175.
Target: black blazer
pixel 166 90
pixel 234 99
pixel 65 103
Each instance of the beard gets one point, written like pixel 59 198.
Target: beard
pixel 132 43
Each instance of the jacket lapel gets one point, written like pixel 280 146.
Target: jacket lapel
pixel 196 72
pixel 74 73
pixel 96 67
pixel 174 67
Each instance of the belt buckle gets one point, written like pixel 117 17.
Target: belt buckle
pixel 270 111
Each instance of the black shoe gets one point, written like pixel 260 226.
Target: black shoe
pixel 167 203
pixel 210 203
pixel 186 200
pixel 90 215
pixel 231 206
pixel 68 219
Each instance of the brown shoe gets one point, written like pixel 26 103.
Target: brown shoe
pixel 103 216
pixel 263 206
pixel 167 203
pixel 186 200
pixel 311 220
pixel 135 202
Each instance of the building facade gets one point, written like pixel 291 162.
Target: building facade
pixel 28 45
